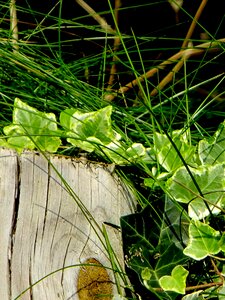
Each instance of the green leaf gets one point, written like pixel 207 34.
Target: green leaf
pixel 66 118
pixel 166 153
pixel 146 274
pixel 3 143
pixel 221 292
pixel 176 282
pixel 88 130
pixel 93 132
pixel 222 242
pixel 178 222
pixel 194 296
pixel 32 129
pixel 212 151
pixel 122 156
pixel 211 181
pixel 203 240
pixel 147 249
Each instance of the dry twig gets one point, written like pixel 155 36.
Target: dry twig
pixel 182 54
pixel 101 21
pixel 13 25
pixel 115 47
pixel 167 79
pixel 179 58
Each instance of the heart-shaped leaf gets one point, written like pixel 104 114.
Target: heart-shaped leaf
pixel 32 129
pixel 203 240
pixel 176 282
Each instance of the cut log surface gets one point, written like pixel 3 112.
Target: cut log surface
pixel 48 212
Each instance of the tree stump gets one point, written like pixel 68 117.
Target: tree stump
pixel 44 234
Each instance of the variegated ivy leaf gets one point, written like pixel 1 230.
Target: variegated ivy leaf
pixel 211 182
pixel 212 151
pixel 203 240
pixel 167 155
pixel 175 282
pixel 31 129
pixel 89 130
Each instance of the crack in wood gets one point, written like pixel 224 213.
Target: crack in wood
pixel 44 235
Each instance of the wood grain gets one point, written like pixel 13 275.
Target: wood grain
pixel 43 227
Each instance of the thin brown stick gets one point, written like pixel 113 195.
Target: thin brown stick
pixel 167 79
pixel 196 287
pixel 115 47
pixel 176 6
pixel 194 23
pixel 14 25
pixel 181 54
pixel 216 269
pixel 189 52
pixel 101 21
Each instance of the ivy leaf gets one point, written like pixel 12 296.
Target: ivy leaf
pixel 93 132
pixel 32 129
pixel 147 247
pixel 166 153
pixel 3 143
pixel 88 130
pixel 222 242
pixel 221 292
pixel 176 282
pixel 194 296
pixel 211 181
pixel 212 151
pixel 203 240
pixel 66 118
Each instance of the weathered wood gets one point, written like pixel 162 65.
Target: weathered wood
pixel 43 229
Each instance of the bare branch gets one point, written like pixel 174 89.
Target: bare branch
pixel 101 21
pixel 13 25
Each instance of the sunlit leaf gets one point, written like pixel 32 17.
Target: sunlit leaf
pixel 222 242
pixel 212 150
pixel 88 130
pixel 93 132
pixel 211 181
pixel 175 282
pixel 167 154
pixel 203 240
pixel 31 129
pixel 221 292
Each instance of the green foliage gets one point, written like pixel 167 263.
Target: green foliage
pixel 151 236
pixel 88 131
pixel 210 180
pixel 167 155
pixel 176 282
pixel 147 245
pixel 198 183
pixel 203 240
pixel 31 129
pixel 183 229
pixel 212 151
